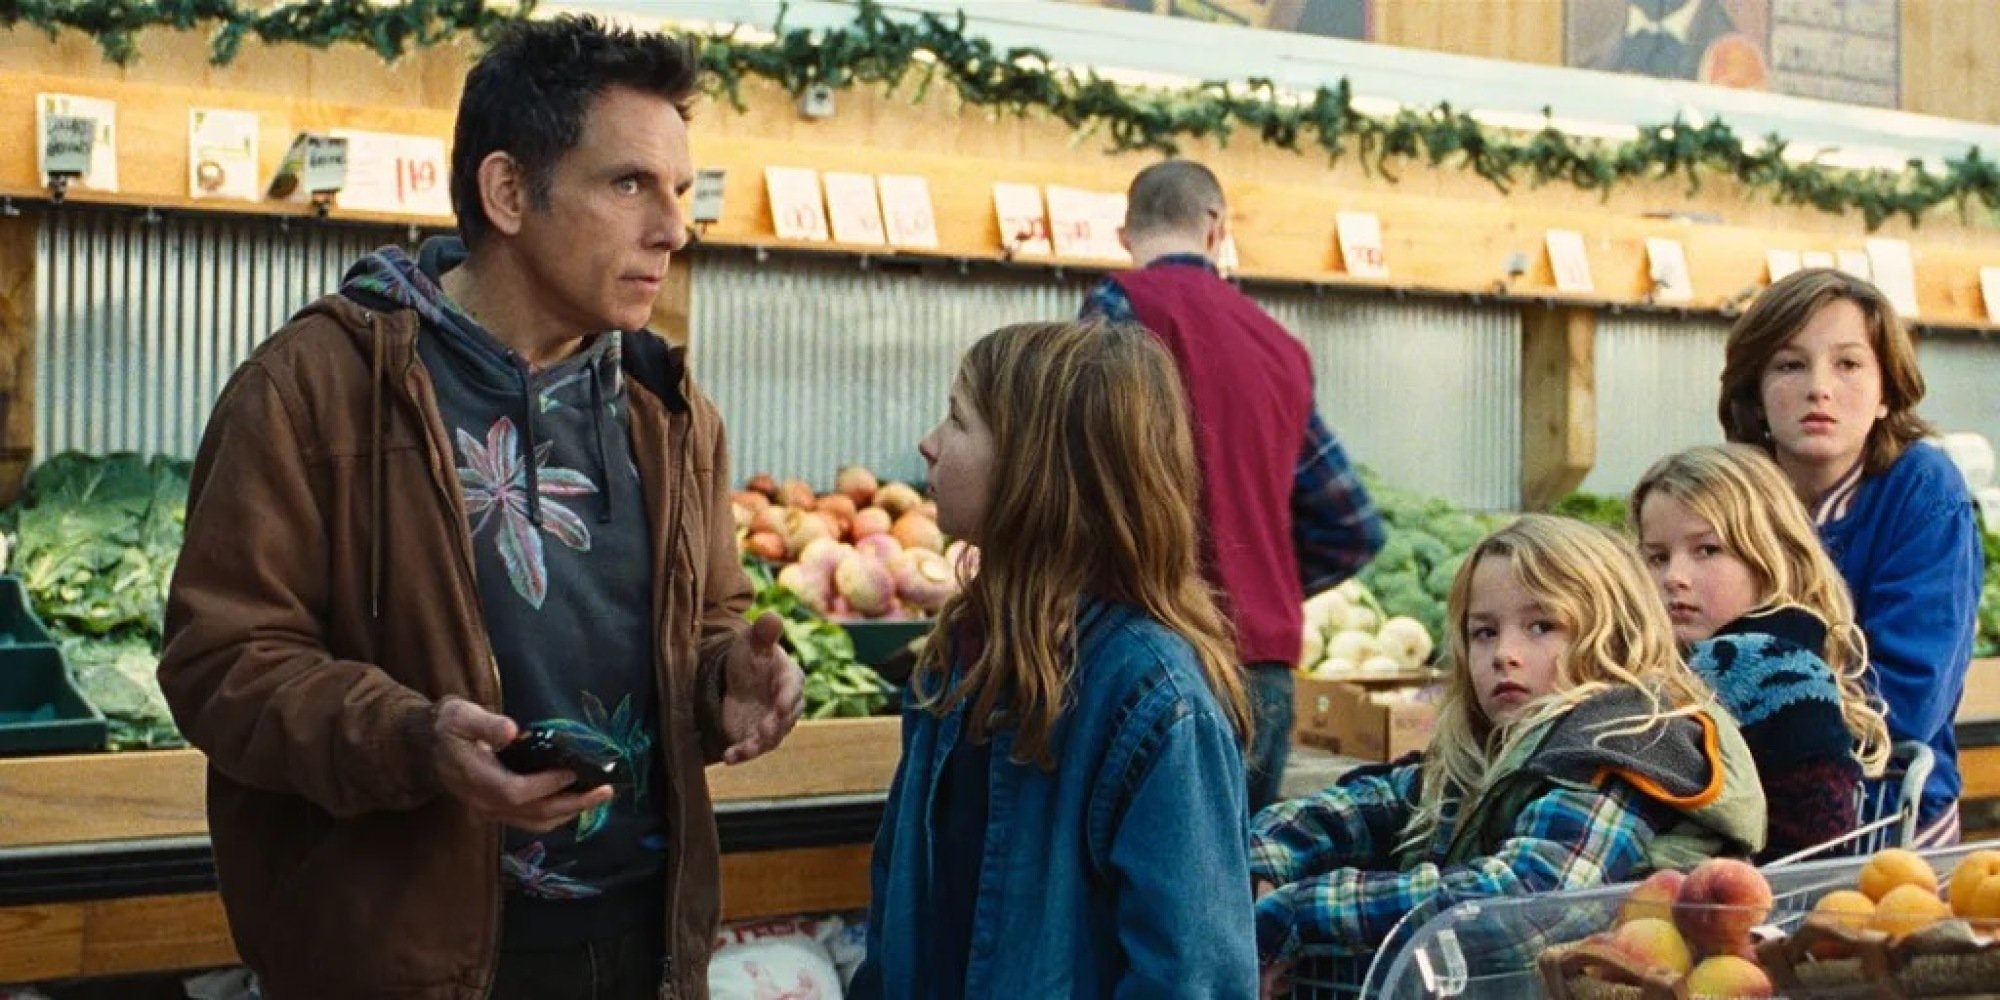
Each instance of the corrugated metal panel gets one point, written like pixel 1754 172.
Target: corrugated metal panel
pixel 141 322
pixel 1962 383
pixel 1425 392
pixel 816 364
pixel 1657 379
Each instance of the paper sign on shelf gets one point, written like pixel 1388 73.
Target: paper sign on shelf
pixel 222 154
pixel 1895 273
pixel 1781 263
pixel 1854 262
pixel 390 172
pixel 1817 258
pixel 1023 227
pixel 1569 261
pixel 1360 237
pixel 1226 260
pixel 906 211
pixel 67 112
pixel 326 164
pixel 857 216
pixel 1668 266
pixel 1084 224
pixel 1989 289
pixel 797 213
pixel 705 207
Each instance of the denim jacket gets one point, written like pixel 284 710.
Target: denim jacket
pixel 1122 873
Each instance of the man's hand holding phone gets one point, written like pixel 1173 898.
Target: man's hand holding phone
pixel 468 739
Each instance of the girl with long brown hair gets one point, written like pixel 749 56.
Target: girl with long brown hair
pixel 1068 815
pixel 1821 374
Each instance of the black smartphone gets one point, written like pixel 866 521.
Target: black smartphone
pixel 540 748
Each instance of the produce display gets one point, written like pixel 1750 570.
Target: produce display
pixel 1898 930
pixel 1347 631
pixel 865 550
pixel 837 685
pixel 1427 540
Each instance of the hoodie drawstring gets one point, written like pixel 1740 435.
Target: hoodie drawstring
pixel 378 477
pixel 528 444
pixel 603 462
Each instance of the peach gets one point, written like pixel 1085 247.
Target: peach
pixel 1729 976
pixel 1652 898
pixel 1907 909
pixel 1984 909
pixel 1846 908
pixel 1896 867
pixel 1974 869
pixel 1653 942
pixel 1719 903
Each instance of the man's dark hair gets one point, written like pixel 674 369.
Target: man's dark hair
pixel 1177 195
pixel 529 95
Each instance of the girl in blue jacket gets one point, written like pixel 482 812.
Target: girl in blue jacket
pixel 1767 622
pixel 1820 373
pixel 1068 818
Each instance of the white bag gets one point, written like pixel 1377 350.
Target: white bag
pixel 783 959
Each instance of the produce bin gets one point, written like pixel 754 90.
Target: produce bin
pixel 18 624
pixel 876 641
pixel 1542 945
pixel 41 711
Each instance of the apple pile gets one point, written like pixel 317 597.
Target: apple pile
pixel 865 549
pixel 1695 928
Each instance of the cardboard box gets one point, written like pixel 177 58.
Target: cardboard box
pixel 1341 716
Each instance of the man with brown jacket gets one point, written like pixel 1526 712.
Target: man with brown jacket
pixel 468 493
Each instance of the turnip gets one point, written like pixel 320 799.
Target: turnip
pixel 811 583
pixel 1333 667
pixel 866 584
pixel 897 499
pixel 797 493
pixel 923 578
pixel 882 548
pixel 1405 640
pixel 916 531
pixel 857 483
pixel 871 521
pixel 1379 664
pixel 1353 647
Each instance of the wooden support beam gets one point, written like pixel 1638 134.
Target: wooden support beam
pixel 804 880
pixel 1558 402
pixel 17 351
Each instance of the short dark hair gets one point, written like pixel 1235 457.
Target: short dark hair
pixel 529 95
pixel 1176 195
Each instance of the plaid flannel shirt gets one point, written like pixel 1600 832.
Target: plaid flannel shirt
pixel 1335 529
pixel 1331 855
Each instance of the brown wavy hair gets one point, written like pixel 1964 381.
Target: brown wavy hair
pixel 1095 493
pixel 1746 498
pixel 1779 314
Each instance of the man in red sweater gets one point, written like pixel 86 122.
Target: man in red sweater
pixel 1286 514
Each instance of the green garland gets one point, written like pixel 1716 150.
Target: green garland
pixel 876 49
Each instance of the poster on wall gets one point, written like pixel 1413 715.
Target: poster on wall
pixel 1326 18
pixel 1836 50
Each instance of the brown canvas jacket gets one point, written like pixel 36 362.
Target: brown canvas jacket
pixel 324 602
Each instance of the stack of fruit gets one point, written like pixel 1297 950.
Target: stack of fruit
pixel 864 550
pixel 1347 632
pixel 1704 935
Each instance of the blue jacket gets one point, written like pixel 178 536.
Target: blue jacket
pixel 1909 548
pixel 1123 873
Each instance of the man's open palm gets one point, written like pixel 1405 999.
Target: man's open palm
pixel 764 693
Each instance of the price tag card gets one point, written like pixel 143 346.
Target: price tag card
pixel 1023 227
pixel 1569 261
pixel 1895 273
pixel 857 216
pixel 1226 260
pixel 326 165
pixel 1360 237
pixel 1781 263
pixel 1816 258
pixel 797 213
pixel 62 122
pixel 705 207
pixel 222 154
pixel 1989 289
pixel 906 209
pixel 393 172
pixel 1667 262
pixel 1855 262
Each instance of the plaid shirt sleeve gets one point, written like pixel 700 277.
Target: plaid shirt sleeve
pixel 1335 528
pixel 1567 839
pixel 1107 300
pixel 1354 822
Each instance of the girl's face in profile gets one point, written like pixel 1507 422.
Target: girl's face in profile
pixel 959 455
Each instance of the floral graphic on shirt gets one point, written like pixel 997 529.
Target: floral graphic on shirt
pixel 623 733
pixel 525 868
pixel 495 482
